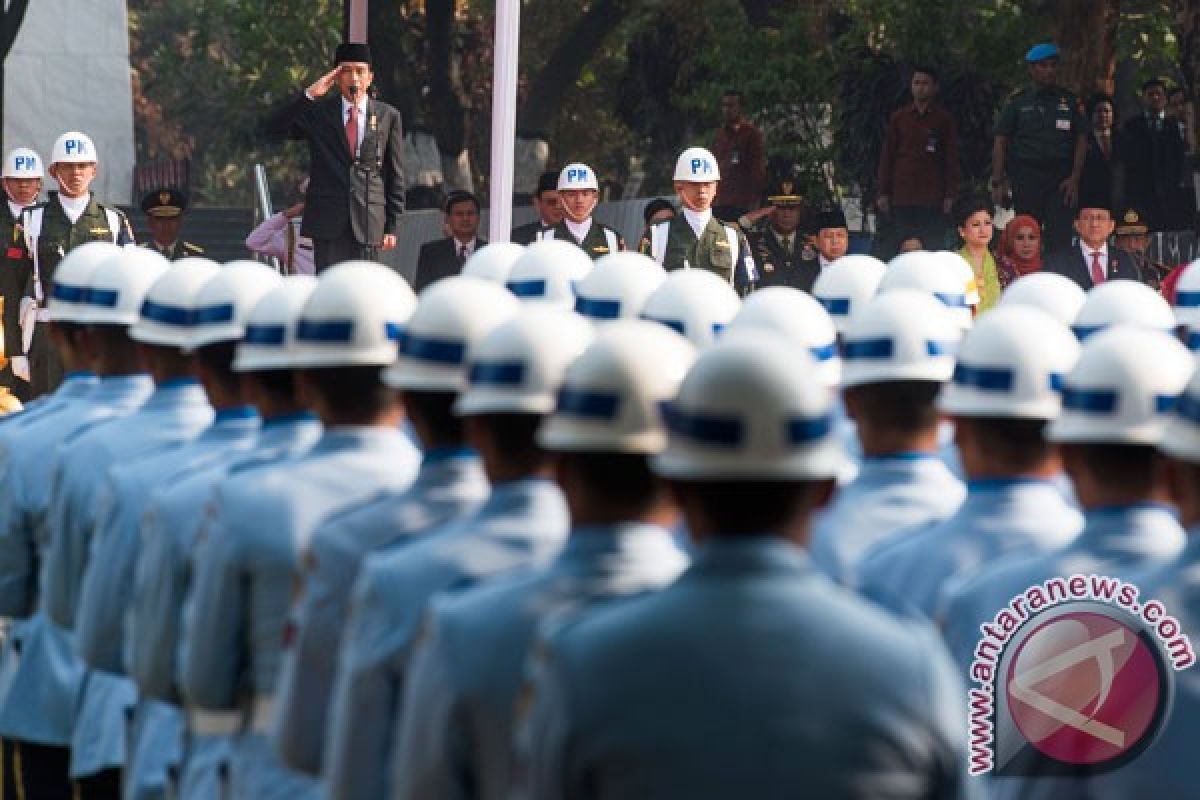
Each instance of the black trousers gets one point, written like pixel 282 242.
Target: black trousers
pixel 104 785
pixel 1035 191
pixel 327 252
pixel 36 771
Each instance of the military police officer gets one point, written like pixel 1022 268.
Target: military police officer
pixel 695 238
pixel 23 172
pixel 1040 145
pixel 782 250
pixel 578 193
pixel 164 209
pixel 69 218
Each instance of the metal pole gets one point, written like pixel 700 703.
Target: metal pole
pixel 356 20
pixel 504 118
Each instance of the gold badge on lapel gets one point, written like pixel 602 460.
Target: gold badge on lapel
pixel 723 244
pixel 599 249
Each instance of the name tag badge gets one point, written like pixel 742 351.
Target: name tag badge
pixel 931 143
pixel 599 249
pixel 99 231
pixel 1063 124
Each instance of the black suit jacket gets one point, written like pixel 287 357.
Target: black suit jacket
pixel 438 259
pixel 778 267
pixel 1153 165
pixel 527 233
pixel 365 193
pixel 1071 263
pixel 1096 181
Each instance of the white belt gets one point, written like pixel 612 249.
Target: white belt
pixel 43 315
pixel 214 723
pixel 262 716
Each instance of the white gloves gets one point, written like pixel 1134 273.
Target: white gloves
pixel 20 367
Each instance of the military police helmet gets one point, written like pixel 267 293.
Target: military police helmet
pixel 169 309
pixel 69 292
pixel 226 300
pixel 270 339
pixel 697 165
pixel 74 147
pixel 618 286
pixel 900 335
pixel 118 285
pixel 21 162
pixel 577 176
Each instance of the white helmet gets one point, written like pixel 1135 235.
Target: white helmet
pixel 1122 301
pixel 1126 381
pixel 847 283
pixel 354 317
pixel 694 302
pixel 934 275
pixel 493 261
pixel 169 309
pixel 1057 295
pixel 799 320
pixel 227 299
pixel 21 162
pixel 118 285
pixel 547 273
pixel 577 176
pixel 73 147
pixel 958 263
pixel 618 286
pixel 1182 436
pixel 68 295
pixel 751 409
pixel 452 316
pixel 697 165
pixel 1011 364
pixel 1187 298
pixel 519 366
pixel 611 396
pixel 901 335
pixel 270 338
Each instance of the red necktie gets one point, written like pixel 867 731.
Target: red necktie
pixel 1097 268
pixel 352 130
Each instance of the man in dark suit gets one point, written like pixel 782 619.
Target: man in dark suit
pixel 1152 155
pixel 549 208
pixel 445 257
pixel 356 193
pixel 1092 260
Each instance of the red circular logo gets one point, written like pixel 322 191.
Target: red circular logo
pixel 1085 688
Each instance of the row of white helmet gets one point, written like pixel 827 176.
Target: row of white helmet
pixel 694 165
pixel 69 148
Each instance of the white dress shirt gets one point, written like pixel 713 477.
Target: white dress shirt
pixel 579 230
pixel 698 220
pixel 362 118
pixel 74 207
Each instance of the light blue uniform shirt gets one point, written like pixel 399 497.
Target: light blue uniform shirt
pixel 108 585
pixel 889 495
pixel 750 676
pixel 450 485
pixel 1116 541
pixel 999 517
pixel 171 532
pixel 246 573
pixel 455 736
pixel 522 524
pixel 45 685
pixel 175 413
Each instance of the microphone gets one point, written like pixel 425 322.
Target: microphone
pixel 354 90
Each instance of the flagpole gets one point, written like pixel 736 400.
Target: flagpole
pixel 504 118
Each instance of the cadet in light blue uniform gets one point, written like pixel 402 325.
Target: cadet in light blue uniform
pixel 451 318
pixel 897 352
pixel 514 375
pixel 175 413
pixel 1166 770
pixel 1004 392
pixel 35 717
pixel 237 625
pixel 170 528
pixel 752 675
pixel 455 736
pixel 185 309
pixel 1112 420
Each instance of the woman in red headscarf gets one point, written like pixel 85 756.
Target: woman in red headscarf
pixel 1020 249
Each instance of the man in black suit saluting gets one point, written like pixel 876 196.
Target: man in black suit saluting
pixel 356 192
pixel 1092 261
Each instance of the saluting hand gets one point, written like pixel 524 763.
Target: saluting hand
pixel 324 83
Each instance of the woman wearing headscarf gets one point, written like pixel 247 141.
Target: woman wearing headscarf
pixel 1020 251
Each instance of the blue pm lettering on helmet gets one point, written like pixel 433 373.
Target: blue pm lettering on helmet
pixel 577 175
pixel 701 166
pixel 25 163
pixel 76 147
